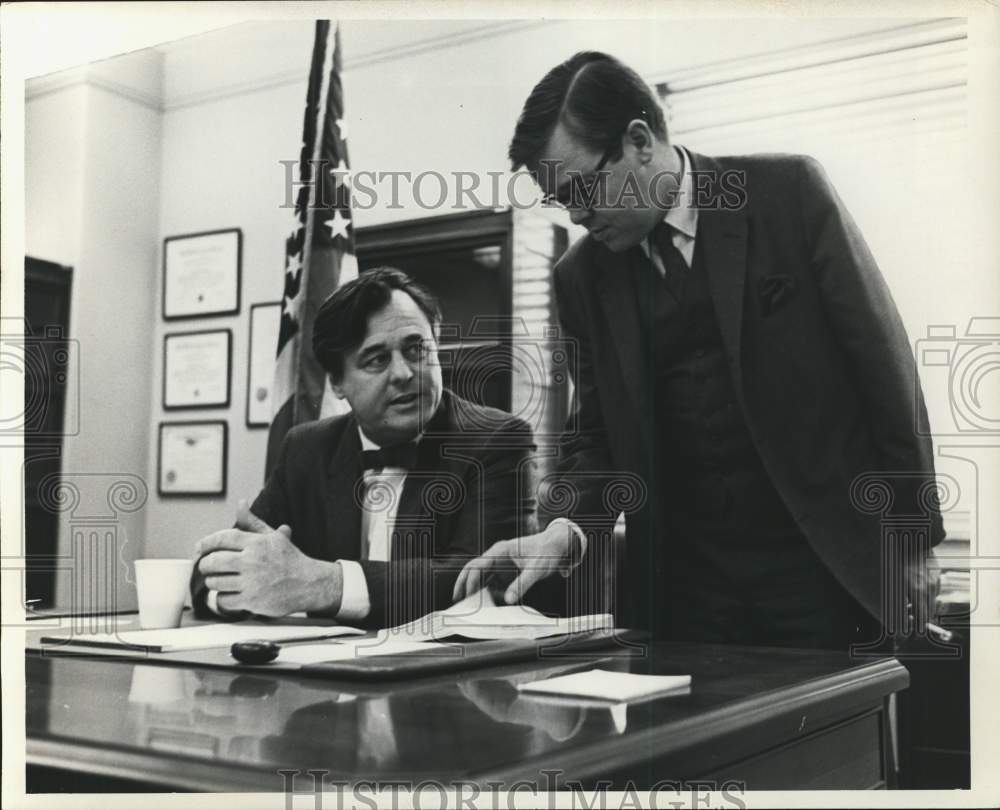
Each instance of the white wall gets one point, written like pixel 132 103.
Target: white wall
pixel 53 159
pixel 92 167
pixel 221 170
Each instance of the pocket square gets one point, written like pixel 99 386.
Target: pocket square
pixel 776 291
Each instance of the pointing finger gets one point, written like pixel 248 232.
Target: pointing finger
pixel 468 575
pixel 457 590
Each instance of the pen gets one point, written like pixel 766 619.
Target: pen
pixel 314 638
pixel 940 632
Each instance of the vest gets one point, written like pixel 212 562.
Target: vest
pixel 708 477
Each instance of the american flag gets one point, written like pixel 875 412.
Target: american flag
pixel 319 252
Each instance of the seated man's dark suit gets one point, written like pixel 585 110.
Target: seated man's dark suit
pixel 758 407
pixel 471 486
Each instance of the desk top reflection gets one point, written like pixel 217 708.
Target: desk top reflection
pixel 226 730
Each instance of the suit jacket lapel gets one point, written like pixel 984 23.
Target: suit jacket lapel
pixel 722 237
pixel 343 510
pixel 411 501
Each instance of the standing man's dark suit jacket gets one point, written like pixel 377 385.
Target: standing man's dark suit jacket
pixel 473 485
pixel 822 366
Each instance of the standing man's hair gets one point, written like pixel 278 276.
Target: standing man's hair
pixel 594 96
pixel 342 320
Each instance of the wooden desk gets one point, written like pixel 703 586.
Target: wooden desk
pixel 769 718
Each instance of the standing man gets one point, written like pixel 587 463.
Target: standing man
pixel 739 352
pixel 368 517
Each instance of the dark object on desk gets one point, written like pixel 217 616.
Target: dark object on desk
pixel 255 652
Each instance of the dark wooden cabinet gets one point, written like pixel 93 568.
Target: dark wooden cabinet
pixel 47 357
pixel 934 714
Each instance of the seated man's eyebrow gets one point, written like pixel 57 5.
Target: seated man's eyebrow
pixel 368 351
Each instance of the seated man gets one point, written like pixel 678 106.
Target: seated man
pixel 368 517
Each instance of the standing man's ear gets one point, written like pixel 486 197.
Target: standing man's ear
pixel 335 385
pixel 639 135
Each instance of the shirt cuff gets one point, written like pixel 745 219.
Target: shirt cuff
pixel 355 603
pixel 576 555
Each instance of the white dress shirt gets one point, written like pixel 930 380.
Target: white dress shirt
pixel 383 489
pixel 682 218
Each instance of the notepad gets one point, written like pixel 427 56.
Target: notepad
pixel 199 637
pixel 602 684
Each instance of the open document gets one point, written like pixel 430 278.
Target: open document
pixel 479 617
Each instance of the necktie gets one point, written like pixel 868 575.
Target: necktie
pixel 399 455
pixel 674 267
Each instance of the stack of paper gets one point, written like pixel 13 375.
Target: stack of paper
pixel 606 685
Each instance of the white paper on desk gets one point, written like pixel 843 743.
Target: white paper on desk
pixel 602 684
pixel 345 651
pixel 479 617
pixel 202 636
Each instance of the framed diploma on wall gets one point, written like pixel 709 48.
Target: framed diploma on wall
pixel 265 321
pixel 192 458
pixel 201 274
pixel 196 369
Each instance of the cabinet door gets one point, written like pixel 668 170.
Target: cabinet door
pixel 46 358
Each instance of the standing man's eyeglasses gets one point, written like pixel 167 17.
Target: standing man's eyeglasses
pixel 580 191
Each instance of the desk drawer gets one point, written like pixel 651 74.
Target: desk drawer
pixel 848 755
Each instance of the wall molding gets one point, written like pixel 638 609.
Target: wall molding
pixel 46 85
pixel 300 75
pixel 40 86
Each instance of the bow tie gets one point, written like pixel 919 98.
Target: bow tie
pixel 399 455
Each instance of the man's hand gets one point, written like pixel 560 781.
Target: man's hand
pixel 923 582
pixel 256 568
pixel 532 558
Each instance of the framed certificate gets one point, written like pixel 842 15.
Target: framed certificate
pixel 196 369
pixel 201 274
pixel 192 458
pixel 265 320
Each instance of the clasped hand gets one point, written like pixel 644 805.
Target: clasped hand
pixel 257 568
